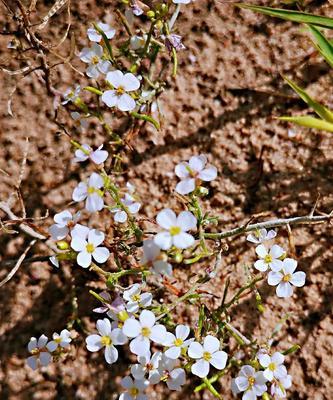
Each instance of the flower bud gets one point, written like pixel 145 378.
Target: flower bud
pixel 62 245
pixel 202 191
pixel 292 349
pixel 150 14
pixel 178 258
pixel 159 24
pixel 123 316
pixel 265 396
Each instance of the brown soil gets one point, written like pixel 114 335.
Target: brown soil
pixel 223 105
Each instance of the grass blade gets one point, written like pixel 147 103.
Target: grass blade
pixel 323 45
pixel 310 122
pixel 321 110
pixel 291 15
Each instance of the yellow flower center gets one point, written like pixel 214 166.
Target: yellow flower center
pixel 34 351
pixel 90 248
pixel 178 342
pixel 57 340
pixel 91 190
pixel 133 391
pixel 268 259
pixel 174 230
pixel 272 367
pixel 106 341
pixel 145 332
pixel 251 380
pixel 120 90
pixel 286 278
pixel 207 356
pixel 122 316
pixel 136 297
pixel 94 60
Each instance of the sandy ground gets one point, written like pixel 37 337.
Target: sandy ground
pixel 222 104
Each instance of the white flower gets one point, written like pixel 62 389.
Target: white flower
pixel 152 258
pixel 79 121
pixel 285 278
pixel 64 221
pixel 118 97
pixel 97 156
pixel 80 230
pixel 62 340
pixel 192 172
pixel 95 36
pixel 88 248
pixel 177 342
pixel 93 56
pixel 138 42
pixel 117 311
pixel 207 354
pixel 148 365
pixel 269 259
pixel 71 95
pixel 143 331
pixel 135 299
pixel 90 192
pixel 39 352
pixel 279 387
pixel 135 389
pixel 274 366
pixel 107 338
pixel 181 1
pixel 261 235
pixel 174 377
pixel 176 229
pixel 251 382
pixel 129 201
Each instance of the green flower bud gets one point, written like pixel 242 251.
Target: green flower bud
pixel 151 14
pixel 265 396
pixel 62 245
pixel 123 316
pixel 178 258
pixel 202 191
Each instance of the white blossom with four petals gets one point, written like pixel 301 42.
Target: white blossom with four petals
pixel 206 355
pixel 89 248
pixel 286 278
pixel 148 366
pixel 177 342
pixel 153 259
pixel 63 340
pixel 261 235
pixel 251 382
pixel 134 389
pixel 40 353
pixel 278 388
pixel 273 365
pixel 135 299
pixel 71 94
pixel 94 57
pixel 192 172
pixel 143 331
pixel 95 36
pixel 91 192
pixel 108 338
pixel 122 84
pixel 174 376
pixel 176 229
pixel 64 221
pixel 269 259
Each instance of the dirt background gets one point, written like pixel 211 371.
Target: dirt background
pixel 222 104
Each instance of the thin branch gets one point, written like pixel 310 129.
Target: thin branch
pixel 18 264
pixel 306 220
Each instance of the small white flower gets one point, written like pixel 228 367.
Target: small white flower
pixel 173 376
pixel 177 342
pixel 134 389
pixel 251 382
pixel 108 339
pixel 64 221
pixel 192 172
pixel 279 387
pixel 88 248
pixel 97 156
pixel 131 204
pixel 118 97
pixel 177 228
pixel 143 331
pixel 274 366
pixel 95 36
pixel 40 353
pixel 93 56
pixel 79 121
pixel 91 192
pixel 135 299
pixel 71 95
pixel 261 235
pixel 286 277
pixel 208 354
pixel 62 340
pixel 152 258
pixel 148 366
pixel 269 259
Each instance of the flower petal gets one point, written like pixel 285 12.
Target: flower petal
pixel 289 265
pixel 45 358
pixel 140 345
pixel 182 331
pixel 158 334
pixel 195 350
pixel 95 237
pixel 94 343
pixel 185 186
pixel 260 265
pixel 115 78
pixel 166 218
pixel 80 192
pixel 58 232
pixel 298 279
pixel 150 250
pixel 284 289
pixel 110 98
pixel 147 318
pixel 99 156
pixel 264 360
pixel 276 251
pixel 163 240
pixel 131 328
pixel 173 352
pixel 118 337
pixel 183 240
pixel 63 218
pixel 78 243
pixel 208 174
pixel 211 344
pixel 186 221
pixel 182 170
pixel 32 362
pixel 96 181
pixel 126 102
pixel 278 358
pixel 242 383
pixel 110 354
pixel 200 368
pixel 94 203
pixel 219 359
pixel 101 254
pixel 276 265
pixel 261 251
pixel 84 259
pixel 104 326
pixel 80 231
pixel 131 82
pixel 274 278
pixel 197 163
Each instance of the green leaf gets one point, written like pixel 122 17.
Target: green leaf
pixel 310 122
pixel 291 15
pixel 323 45
pixel 321 110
